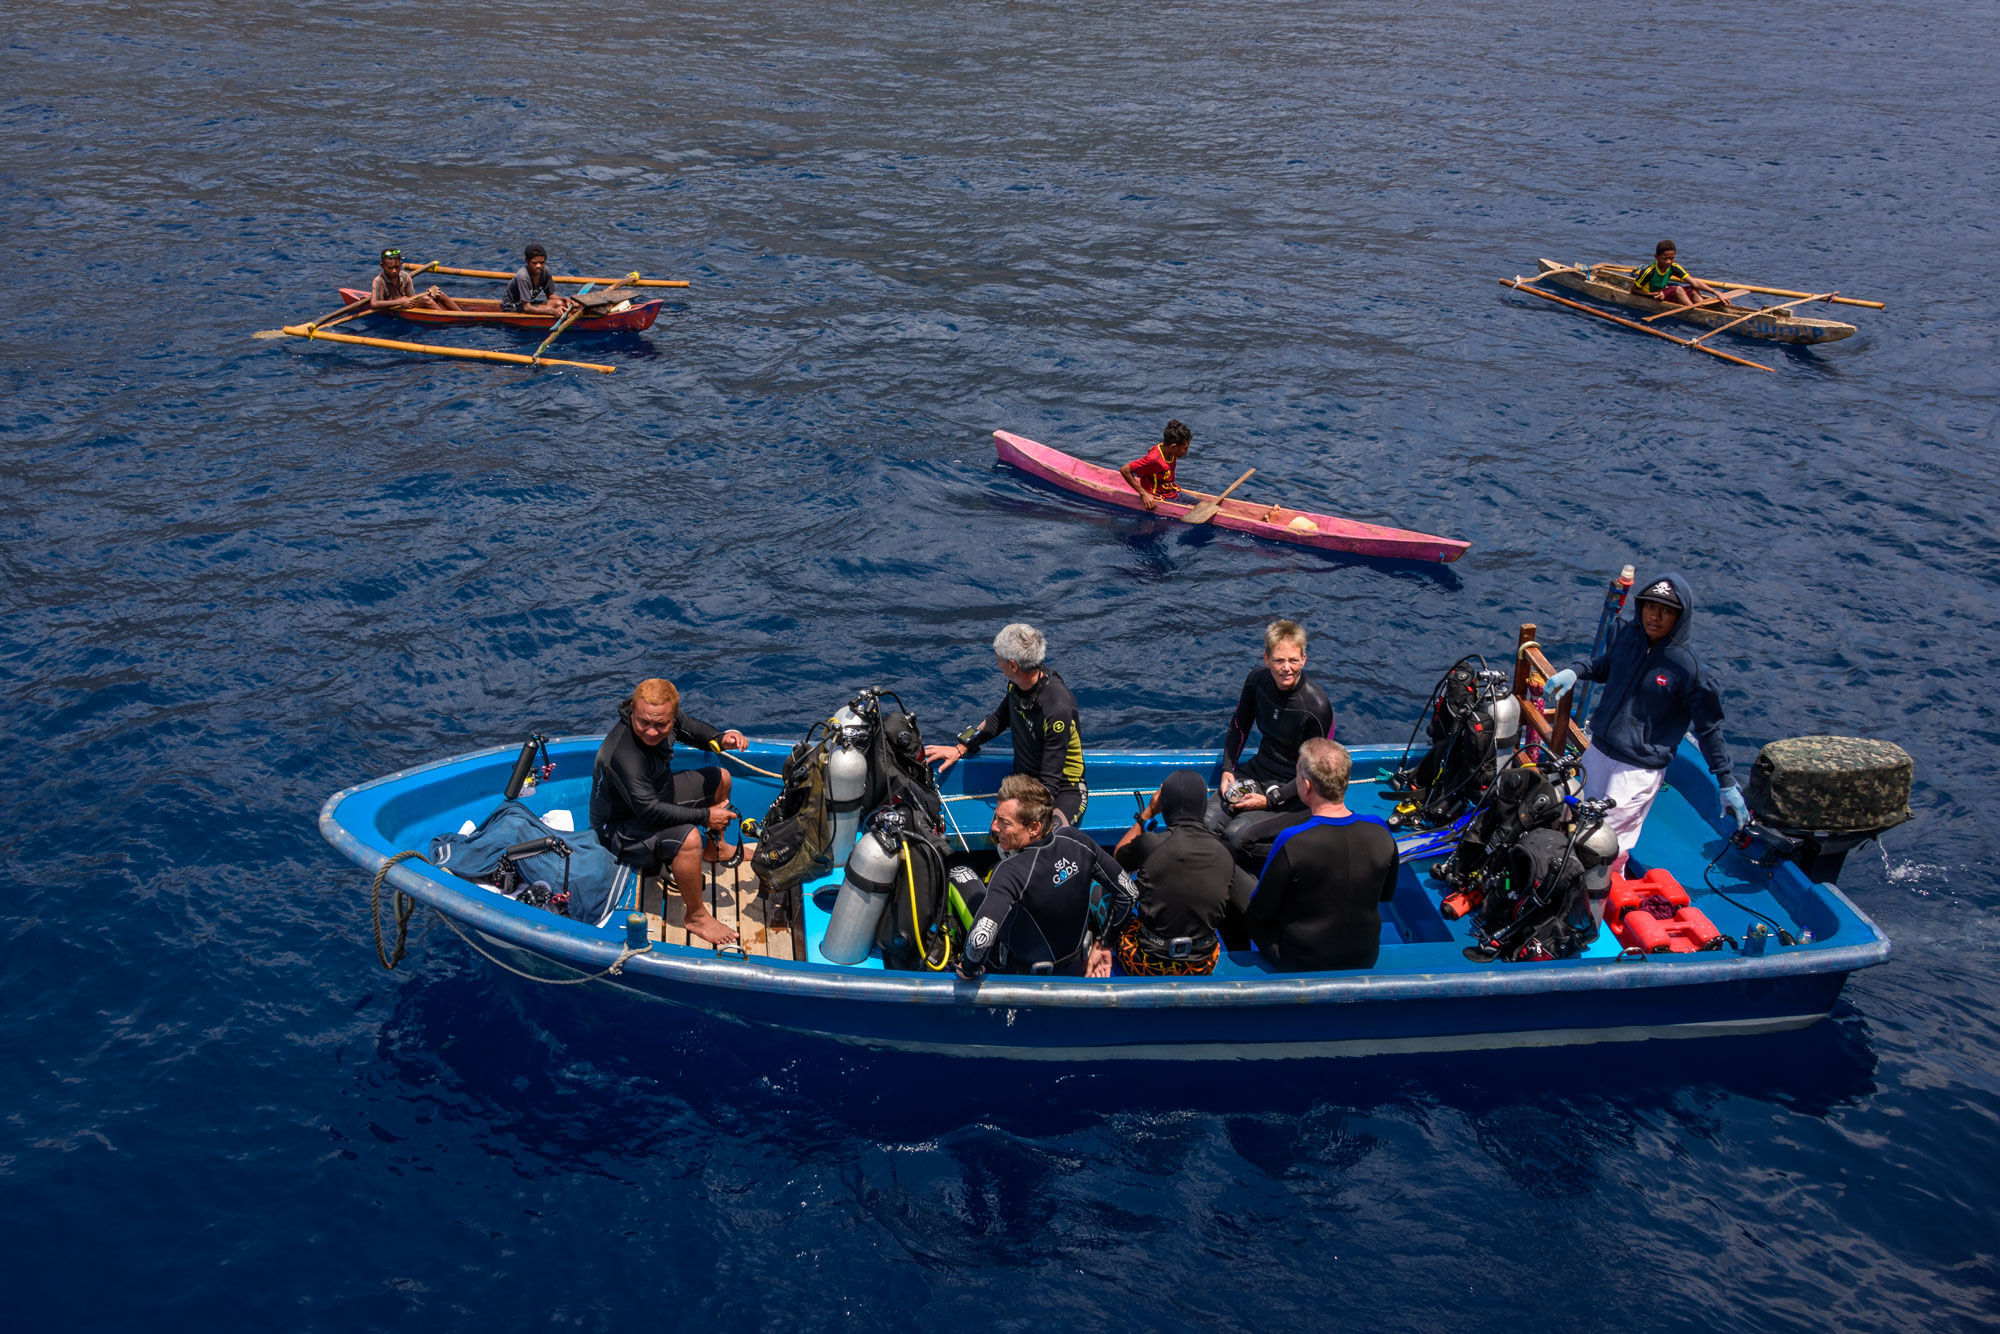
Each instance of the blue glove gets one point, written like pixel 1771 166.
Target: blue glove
pixel 1558 683
pixel 1732 801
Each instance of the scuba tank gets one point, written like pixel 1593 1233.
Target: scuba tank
pixel 846 776
pixel 871 877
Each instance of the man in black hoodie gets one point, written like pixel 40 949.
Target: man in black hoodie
pixel 647 814
pixel 1655 690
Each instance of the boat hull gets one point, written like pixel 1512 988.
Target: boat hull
pixel 1329 532
pixel 1783 327
pixel 483 311
pixel 1422 996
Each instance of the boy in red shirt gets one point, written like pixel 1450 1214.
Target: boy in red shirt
pixel 1153 476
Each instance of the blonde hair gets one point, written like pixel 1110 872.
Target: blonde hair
pixel 1283 632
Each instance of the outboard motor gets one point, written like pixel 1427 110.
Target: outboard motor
pixel 1814 799
pixel 871 878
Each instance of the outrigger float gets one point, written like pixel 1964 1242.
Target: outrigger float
pixel 1431 990
pixel 602 305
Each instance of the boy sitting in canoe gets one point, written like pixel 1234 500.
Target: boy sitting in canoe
pixel 393 289
pixel 1153 475
pixel 1664 280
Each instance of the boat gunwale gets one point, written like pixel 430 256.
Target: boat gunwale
pixel 632 320
pixel 587 948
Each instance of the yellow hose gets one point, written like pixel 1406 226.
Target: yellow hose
pixel 916 922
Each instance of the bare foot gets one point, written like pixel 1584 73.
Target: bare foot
pixel 721 852
pixel 706 927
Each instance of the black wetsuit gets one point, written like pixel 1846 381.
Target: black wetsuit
pixel 1048 739
pixel 1039 905
pixel 1315 905
pixel 1284 719
pixel 640 808
pixel 1184 877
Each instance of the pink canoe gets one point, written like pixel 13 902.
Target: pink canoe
pixel 1302 527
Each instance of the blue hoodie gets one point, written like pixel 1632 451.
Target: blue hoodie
pixel 1653 693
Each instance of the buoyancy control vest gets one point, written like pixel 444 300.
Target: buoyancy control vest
pixel 1471 716
pixel 1536 902
pixel 819 791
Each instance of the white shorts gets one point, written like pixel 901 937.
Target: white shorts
pixel 1631 787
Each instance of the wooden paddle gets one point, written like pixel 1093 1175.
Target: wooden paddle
pixel 346 312
pixel 1522 285
pixel 1721 301
pixel 576 313
pixel 1768 291
pixel 1205 511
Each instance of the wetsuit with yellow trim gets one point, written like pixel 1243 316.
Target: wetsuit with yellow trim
pixel 1048 739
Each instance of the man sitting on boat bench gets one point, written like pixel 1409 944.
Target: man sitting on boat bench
pixel 394 290
pixel 1039 712
pixel 1315 905
pixel 648 815
pixel 1287 708
pixel 1037 912
pixel 1186 880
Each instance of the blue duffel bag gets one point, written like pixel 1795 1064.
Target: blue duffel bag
pixel 515 853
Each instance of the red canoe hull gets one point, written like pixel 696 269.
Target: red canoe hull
pixel 1327 531
pixel 487 311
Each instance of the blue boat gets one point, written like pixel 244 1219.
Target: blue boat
pixel 1424 994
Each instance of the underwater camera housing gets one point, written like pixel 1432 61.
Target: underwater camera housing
pixel 1814 799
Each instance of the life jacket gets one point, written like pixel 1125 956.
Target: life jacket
pixel 1653 914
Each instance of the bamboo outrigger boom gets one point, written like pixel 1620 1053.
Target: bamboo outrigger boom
pixel 465 353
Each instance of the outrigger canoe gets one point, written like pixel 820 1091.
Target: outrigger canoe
pixel 1613 284
pixel 1424 994
pixel 1275 522
pixel 632 317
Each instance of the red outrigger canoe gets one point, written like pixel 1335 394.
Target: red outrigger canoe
pixel 485 310
pixel 1275 522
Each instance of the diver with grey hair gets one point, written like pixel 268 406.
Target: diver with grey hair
pixel 1039 712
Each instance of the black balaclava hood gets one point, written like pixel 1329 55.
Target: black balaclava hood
pixel 1183 797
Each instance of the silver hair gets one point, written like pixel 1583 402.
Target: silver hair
pixel 1022 645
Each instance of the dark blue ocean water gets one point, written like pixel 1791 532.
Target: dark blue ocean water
pixel 240 574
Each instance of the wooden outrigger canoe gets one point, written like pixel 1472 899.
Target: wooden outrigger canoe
pixel 1613 284
pixel 639 315
pixel 1275 522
